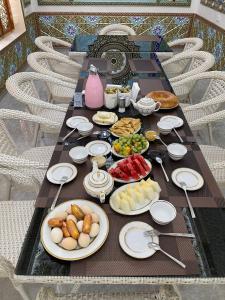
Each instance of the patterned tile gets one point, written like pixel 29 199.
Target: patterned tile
pixel 14 56
pixel 215 4
pixel 214 40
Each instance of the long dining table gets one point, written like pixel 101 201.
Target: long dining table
pixel 202 255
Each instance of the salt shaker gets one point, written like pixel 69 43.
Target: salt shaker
pixel 121 104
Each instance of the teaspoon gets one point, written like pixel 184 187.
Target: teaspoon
pixel 159 160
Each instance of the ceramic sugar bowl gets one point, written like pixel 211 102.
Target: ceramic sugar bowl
pixel 98 183
pixel 146 106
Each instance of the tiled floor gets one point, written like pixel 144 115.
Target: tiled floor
pixel 22 137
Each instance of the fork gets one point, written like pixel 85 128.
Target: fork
pixel 158 233
pixel 62 182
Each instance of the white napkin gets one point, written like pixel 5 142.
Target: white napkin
pixel 135 90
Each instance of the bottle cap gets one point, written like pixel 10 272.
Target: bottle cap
pixel 93 69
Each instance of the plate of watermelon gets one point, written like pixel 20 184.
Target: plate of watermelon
pixel 130 169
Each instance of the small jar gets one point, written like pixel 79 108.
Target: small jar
pixel 121 104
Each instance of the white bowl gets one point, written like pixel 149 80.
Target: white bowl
pixel 78 154
pixel 162 212
pixel 85 128
pixel 164 127
pixel 176 151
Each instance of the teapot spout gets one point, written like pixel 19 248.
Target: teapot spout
pixel 134 103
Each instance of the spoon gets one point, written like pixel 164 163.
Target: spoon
pixel 159 160
pixel 180 138
pixel 184 187
pixel 62 182
pixel 159 138
pixel 93 133
pixel 157 247
pixel 68 134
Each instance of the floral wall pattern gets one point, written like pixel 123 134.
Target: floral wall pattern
pixel 215 4
pixel 214 40
pixel 67 26
pixel 13 57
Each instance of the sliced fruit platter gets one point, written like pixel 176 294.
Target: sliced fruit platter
pixel 125 146
pixel 135 198
pixel 130 169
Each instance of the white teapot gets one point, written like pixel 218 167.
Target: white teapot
pixel 98 183
pixel 146 106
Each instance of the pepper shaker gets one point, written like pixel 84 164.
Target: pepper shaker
pixel 121 104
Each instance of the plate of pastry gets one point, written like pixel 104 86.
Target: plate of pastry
pixel 104 118
pixel 168 100
pixel 135 198
pixel 125 127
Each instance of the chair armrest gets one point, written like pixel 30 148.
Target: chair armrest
pixel 218 116
pixel 10 161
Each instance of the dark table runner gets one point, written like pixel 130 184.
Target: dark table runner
pixel 110 260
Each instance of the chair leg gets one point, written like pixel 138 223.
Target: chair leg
pixel 22 292
pixel 36 131
pixel 210 134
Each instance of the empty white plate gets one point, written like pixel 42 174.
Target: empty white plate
pixel 134 243
pixel 175 121
pixel 56 172
pixel 95 148
pixel 192 178
pixel 74 121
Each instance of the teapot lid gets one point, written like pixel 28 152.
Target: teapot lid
pixel 98 178
pixel 146 101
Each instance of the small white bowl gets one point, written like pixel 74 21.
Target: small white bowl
pixel 162 212
pixel 78 154
pixel 176 151
pixel 85 128
pixel 164 127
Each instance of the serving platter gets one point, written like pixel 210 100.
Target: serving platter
pixel 77 254
pixel 114 120
pixel 122 156
pixel 134 243
pixel 140 208
pixel 130 180
pixel 118 136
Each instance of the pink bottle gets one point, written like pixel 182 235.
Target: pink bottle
pixel 94 94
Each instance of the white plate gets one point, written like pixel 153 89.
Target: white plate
pixel 131 180
pixel 193 179
pixel 175 121
pixel 81 253
pixel 140 209
pixel 95 148
pixel 105 123
pixel 74 121
pixel 136 131
pixel 120 155
pixel 134 243
pixel 56 172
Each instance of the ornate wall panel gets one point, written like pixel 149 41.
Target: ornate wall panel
pixel 215 4
pixel 117 2
pixel 13 57
pixel 214 40
pixel 66 26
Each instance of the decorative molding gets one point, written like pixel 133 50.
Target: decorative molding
pixel 118 2
pixel 218 5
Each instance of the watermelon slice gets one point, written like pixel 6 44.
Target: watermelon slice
pixel 133 172
pixel 137 165
pixel 143 162
pixel 123 166
pixel 118 173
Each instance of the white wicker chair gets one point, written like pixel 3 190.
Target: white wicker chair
pixel 216 85
pixel 162 293
pixel 21 86
pixel 15 217
pixel 57 67
pixel 117 29
pixel 187 44
pixel 197 61
pixel 25 169
pixel 48 43
pixel 214 155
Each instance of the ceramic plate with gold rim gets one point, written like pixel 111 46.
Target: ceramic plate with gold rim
pixel 110 121
pixel 77 254
pixel 74 121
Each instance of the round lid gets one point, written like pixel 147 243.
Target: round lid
pixel 99 178
pixel 93 69
pixel 146 101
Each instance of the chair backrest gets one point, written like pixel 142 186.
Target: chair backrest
pixel 7 146
pixel 46 43
pixel 117 29
pixel 21 86
pixel 216 86
pixel 190 44
pixel 200 61
pixel 51 64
